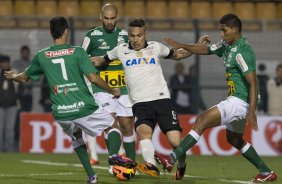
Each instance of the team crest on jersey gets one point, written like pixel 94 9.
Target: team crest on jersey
pixel 150 52
pixel 140 61
pixel 57 53
pixel 104 45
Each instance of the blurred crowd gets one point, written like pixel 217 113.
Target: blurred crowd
pixel 185 94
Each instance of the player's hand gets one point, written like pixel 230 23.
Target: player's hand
pixel 171 42
pixel 252 120
pixel 204 40
pixel 9 74
pixel 116 92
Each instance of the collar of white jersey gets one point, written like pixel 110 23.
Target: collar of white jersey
pixel 131 48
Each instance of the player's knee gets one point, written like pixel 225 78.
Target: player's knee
pixel 126 129
pixel 200 124
pixel 144 132
pixel 174 138
pixel 174 143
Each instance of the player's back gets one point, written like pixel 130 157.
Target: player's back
pixel 64 66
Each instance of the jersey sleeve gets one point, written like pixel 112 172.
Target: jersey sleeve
pixel 34 70
pixel 87 44
pixel 113 54
pixel 164 50
pixel 217 48
pixel 246 61
pixel 85 64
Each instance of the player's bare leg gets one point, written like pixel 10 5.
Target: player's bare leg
pixel 237 141
pixel 126 128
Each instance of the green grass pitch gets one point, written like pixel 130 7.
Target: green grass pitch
pixel 65 168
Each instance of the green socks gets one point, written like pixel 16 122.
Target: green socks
pixel 114 141
pixel 251 155
pixel 129 146
pixel 188 142
pixel 82 154
pixel 130 149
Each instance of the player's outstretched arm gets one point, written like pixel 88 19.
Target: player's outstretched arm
pixel 252 80
pixel 180 54
pixel 18 77
pixel 194 49
pixel 98 81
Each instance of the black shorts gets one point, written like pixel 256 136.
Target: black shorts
pixel 160 111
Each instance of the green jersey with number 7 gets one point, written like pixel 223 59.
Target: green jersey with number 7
pixel 64 67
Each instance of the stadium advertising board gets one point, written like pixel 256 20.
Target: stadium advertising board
pixel 41 134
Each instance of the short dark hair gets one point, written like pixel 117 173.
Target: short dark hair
pixel 231 20
pixel 137 23
pixel 58 25
pixel 4 58
pixel 25 47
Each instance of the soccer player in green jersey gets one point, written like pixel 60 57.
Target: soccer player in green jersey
pixel 97 42
pixel 240 105
pixel 73 105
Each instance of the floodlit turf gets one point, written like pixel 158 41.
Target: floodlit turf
pixel 62 168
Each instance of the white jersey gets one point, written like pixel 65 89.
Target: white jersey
pixel 143 73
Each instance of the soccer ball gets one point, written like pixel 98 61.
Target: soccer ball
pixel 123 173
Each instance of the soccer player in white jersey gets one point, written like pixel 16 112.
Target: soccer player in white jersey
pixel 148 91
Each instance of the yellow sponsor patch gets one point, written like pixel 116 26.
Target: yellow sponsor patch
pixel 113 78
pixel 231 87
pixel 115 62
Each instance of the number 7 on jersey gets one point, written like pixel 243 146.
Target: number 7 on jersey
pixel 61 61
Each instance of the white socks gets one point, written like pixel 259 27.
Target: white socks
pixel 195 135
pixel 148 151
pixel 245 148
pixel 129 138
pixel 92 147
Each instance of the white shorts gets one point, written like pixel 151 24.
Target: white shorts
pixel 93 125
pixel 233 113
pixel 120 106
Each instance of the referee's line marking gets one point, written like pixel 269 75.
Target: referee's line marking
pixel 104 168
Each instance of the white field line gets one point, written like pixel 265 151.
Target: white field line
pixel 105 168
pixel 42 174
